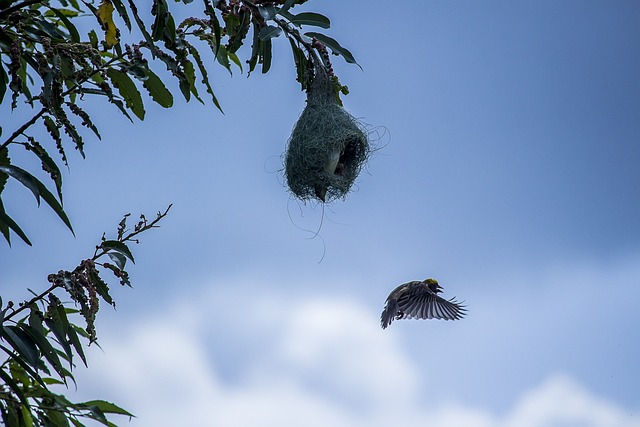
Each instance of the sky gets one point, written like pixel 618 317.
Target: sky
pixel 508 139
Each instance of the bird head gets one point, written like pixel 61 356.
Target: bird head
pixel 433 285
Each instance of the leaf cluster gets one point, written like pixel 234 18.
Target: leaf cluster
pixel 47 64
pixel 42 341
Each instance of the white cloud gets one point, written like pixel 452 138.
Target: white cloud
pixel 321 362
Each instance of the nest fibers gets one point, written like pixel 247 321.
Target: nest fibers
pixel 327 147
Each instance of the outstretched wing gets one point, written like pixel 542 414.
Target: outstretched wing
pixel 427 305
pixel 389 313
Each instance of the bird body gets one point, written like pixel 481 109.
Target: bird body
pixel 420 300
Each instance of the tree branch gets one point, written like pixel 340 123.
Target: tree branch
pixel 31 301
pixel 18 6
pixel 22 128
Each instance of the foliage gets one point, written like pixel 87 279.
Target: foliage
pixel 45 62
pixel 50 70
pixel 42 341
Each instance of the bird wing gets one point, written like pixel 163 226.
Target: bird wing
pixel 427 305
pixel 389 313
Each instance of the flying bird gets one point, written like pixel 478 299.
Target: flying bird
pixel 420 300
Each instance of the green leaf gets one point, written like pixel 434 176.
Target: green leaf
pixel 7 223
pixel 267 12
pixel 234 58
pixel 21 343
pixel 53 203
pixel 13 386
pixel 55 134
pixel 118 258
pixel 269 32
pixel 255 48
pixel 75 342
pixel 76 423
pixel 128 91
pixel 300 60
pixel 311 18
pixel 46 349
pixel 335 47
pixel 286 6
pixel 122 11
pixel 48 165
pixel 93 39
pixel 4 229
pixel 20 361
pixel 101 287
pixel 86 119
pixel 265 56
pixel 141 25
pixel 4 161
pixel 56 320
pixel 27 420
pixel 203 71
pixel 4 82
pixel 73 31
pixel 158 91
pixel 24 177
pixel 222 56
pixel 55 418
pixel 108 407
pixel 118 247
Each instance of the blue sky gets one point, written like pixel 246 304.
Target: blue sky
pixel 509 173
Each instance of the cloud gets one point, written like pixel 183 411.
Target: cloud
pixel 316 362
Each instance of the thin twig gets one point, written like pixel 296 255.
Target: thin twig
pixel 22 128
pixel 18 6
pixel 31 301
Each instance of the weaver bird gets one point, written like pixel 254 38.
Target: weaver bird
pixel 334 166
pixel 420 300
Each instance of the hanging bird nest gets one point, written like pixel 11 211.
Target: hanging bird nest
pixel 327 147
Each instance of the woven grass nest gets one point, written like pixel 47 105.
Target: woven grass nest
pixel 327 147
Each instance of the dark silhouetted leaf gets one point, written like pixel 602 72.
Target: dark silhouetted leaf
pixel 122 11
pixel 46 349
pixel 158 91
pixel 101 287
pixel 286 6
pixel 20 361
pixel 24 177
pixel 73 31
pixel 118 247
pixel 21 343
pixel 7 223
pixel 56 320
pixel 14 387
pixel 265 54
pixel 311 18
pixel 141 25
pixel 269 32
pixel 128 91
pixel 53 203
pixel 4 82
pixel 267 12
pixel 203 71
pixel 108 407
pixel 334 46
pixel 75 342
pixel 48 165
